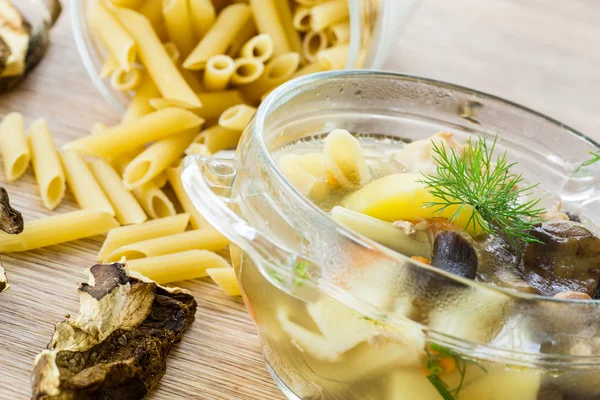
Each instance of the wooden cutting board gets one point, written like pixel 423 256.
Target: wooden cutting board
pixel 542 53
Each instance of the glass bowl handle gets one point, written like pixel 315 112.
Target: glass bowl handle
pixel 208 183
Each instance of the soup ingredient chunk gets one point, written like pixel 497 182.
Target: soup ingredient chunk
pixel 345 159
pixel 117 346
pixel 453 253
pixel 401 197
pixel 419 156
pixel 565 258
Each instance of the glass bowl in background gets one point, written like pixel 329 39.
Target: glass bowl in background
pixel 374 26
pixel 342 317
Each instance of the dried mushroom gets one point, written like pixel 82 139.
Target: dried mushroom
pixel 21 46
pixel 116 348
pixel 11 221
pixel 565 259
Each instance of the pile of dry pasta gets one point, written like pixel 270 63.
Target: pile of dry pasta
pixel 196 70
pixel 161 249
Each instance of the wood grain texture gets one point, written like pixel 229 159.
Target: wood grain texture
pixel 541 53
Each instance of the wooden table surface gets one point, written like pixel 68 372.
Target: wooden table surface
pixel 544 54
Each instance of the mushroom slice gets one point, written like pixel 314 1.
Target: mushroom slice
pixel 453 253
pixel 118 344
pixel 565 260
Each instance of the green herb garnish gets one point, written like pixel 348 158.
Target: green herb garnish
pixel 474 178
pixel 301 269
pixel 432 363
pixel 595 158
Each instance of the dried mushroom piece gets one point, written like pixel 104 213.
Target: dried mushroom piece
pixel 3 280
pixel 116 348
pixel 11 221
pixel 22 47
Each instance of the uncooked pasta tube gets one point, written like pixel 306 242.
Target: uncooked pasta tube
pixel 125 235
pixel 203 17
pixel 154 201
pixel 245 34
pixel 259 47
pixel 178 20
pixel 46 165
pixel 327 13
pixel 225 278
pixel 84 186
pixel 301 19
pixel 130 135
pixel 333 57
pixel 127 209
pixel 217 138
pixel 218 72
pixel 247 70
pixel 156 158
pixel 339 33
pixel 220 36
pixel 312 44
pixel 180 266
pixel 200 239
pixel 125 80
pixel 267 21
pixel 237 117
pixel 112 34
pixel 277 71
pixel 196 219
pixel 57 229
pixel 13 145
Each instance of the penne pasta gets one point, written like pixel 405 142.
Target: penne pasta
pixel 156 158
pixel 245 34
pixel 267 21
pixel 339 33
pixel 175 267
pixel 247 70
pixel 333 57
pixel 312 44
pixel 115 38
pixel 152 10
pixel 198 148
pixel 217 102
pixel 13 146
pixel 277 71
pixel 83 184
pixel 189 76
pixel 177 17
pixel 48 171
pixel 327 13
pixel 237 117
pixel 125 80
pixel 125 235
pixel 161 180
pixel 127 136
pixel 203 15
pixel 57 229
pixel 127 3
pixel 140 103
pixel 153 55
pixel 198 239
pixel 284 12
pixel 225 278
pixel 127 209
pixel 301 19
pixel 218 72
pixel 308 69
pixel 259 47
pixel 109 65
pixel 196 219
pixel 154 201
pixel 217 138
pixel 220 36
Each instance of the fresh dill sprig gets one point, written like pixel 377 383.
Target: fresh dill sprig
pixel 595 158
pixel 474 178
pixel 433 365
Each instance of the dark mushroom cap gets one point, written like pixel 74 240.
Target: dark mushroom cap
pixel 566 260
pixel 453 253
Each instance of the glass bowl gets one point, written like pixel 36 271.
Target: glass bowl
pixel 374 24
pixel 342 317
